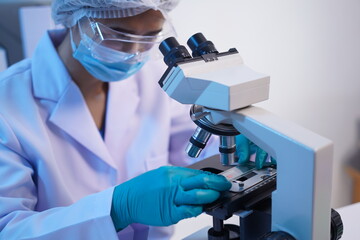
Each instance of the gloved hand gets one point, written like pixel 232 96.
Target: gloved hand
pixel 164 196
pixel 245 148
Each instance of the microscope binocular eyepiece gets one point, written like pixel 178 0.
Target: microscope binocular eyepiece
pixel 202 49
pixel 200 45
pixel 173 52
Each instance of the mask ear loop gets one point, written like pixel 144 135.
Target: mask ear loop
pixel 87 30
pixel 75 42
pixel 72 43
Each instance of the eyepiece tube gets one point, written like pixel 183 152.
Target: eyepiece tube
pixel 172 51
pixel 197 142
pixel 168 44
pixel 199 45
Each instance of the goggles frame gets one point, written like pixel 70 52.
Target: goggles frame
pixel 110 45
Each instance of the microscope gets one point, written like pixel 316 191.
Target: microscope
pixel 289 200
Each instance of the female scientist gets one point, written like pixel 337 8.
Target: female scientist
pixel 84 129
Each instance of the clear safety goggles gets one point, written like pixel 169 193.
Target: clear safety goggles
pixel 107 44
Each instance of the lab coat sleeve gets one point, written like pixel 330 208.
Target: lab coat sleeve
pixel 182 128
pixel 89 218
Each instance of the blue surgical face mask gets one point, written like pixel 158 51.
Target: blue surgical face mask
pixel 102 70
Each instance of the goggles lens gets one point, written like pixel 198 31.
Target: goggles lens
pixel 109 45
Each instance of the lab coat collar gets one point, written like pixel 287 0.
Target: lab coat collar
pixel 48 67
pixel 51 81
pixel 73 116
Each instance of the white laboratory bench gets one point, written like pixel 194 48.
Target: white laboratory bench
pixel 197 227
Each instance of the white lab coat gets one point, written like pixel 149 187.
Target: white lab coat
pixel 57 173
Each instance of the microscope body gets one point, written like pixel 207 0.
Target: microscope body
pixel 225 88
pixel 203 81
pixel 301 201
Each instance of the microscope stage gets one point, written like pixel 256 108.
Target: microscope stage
pixel 249 186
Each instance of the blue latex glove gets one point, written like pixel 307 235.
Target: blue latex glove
pixel 245 148
pixel 164 196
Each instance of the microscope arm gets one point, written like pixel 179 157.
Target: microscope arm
pixel 301 202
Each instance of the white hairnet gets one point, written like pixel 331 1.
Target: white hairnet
pixel 68 12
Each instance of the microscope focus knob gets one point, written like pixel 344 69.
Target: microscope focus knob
pixel 337 227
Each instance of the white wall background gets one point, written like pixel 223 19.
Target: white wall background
pixel 311 50
pixel 30 16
